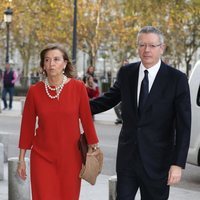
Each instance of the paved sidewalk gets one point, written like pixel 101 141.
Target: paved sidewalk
pixel 100 190
pixel 16 110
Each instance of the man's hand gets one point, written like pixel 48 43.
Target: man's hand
pixel 174 175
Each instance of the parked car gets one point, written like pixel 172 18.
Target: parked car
pixel 194 83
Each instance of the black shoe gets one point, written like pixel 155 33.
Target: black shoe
pixel 4 108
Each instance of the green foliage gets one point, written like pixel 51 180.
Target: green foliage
pixel 104 25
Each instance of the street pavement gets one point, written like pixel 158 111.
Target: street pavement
pixel 100 191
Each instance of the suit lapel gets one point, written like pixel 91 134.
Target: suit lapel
pixel 133 86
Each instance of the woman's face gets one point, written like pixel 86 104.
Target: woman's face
pixel 91 70
pixel 54 63
pixel 90 81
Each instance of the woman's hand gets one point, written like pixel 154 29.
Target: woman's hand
pixel 21 170
pixel 92 147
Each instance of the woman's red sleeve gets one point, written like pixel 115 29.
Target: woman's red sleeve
pixel 28 121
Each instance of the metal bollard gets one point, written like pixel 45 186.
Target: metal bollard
pixel 17 188
pixel 1 162
pixel 112 187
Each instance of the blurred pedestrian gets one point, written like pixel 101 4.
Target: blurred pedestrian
pixel 118 107
pixel 9 79
pixel 90 72
pixel 92 87
pixel 57 103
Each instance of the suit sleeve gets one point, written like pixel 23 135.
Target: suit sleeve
pixel 86 117
pixel 183 122
pixel 109 99
pixel 28 122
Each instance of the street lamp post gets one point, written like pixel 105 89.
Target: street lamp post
pixel 74 33
pixel 7 19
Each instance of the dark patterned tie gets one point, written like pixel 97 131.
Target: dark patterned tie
pixel 144 90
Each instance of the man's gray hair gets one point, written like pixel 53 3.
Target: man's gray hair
pixel 151 29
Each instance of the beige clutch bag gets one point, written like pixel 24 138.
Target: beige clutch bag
pixel 92 167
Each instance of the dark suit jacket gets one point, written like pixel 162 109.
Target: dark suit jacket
pixel 162 132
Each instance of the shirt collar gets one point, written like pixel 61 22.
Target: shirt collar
pixel 152 70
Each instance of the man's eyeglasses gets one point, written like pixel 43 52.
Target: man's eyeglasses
pixel 55 59
pixel 151 46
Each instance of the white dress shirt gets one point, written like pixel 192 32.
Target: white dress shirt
pixel 151 75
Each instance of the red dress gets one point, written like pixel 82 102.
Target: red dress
pixel 55 157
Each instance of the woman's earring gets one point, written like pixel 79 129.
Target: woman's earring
pixel 44 72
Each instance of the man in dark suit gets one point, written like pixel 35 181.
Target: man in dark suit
pixel 156 112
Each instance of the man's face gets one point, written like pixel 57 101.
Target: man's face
pixel 150 49
pixel 7 66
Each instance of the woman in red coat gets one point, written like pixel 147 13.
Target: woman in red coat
pixel 50 129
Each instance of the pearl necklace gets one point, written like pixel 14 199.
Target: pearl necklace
pixel 57 89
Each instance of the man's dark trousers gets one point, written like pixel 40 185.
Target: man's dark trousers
pixel 128 182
